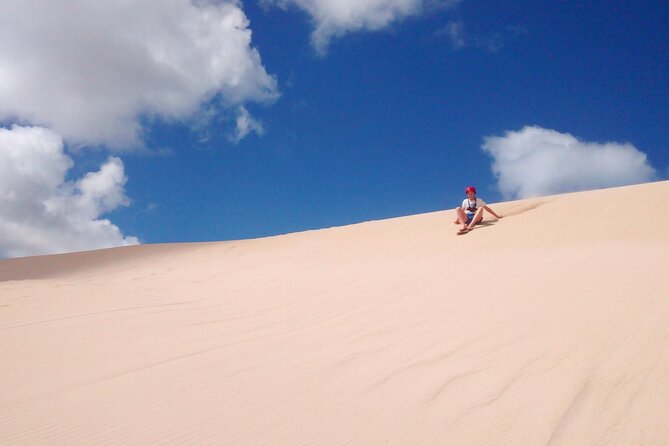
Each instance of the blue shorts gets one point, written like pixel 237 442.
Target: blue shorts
pixel 470 217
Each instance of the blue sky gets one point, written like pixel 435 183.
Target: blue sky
pixel 361 119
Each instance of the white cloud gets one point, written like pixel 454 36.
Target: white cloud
pixel 91 70
pixel 334 18
pixel 245 125
pixel 454 32
pixel 536 161
pixel 41 212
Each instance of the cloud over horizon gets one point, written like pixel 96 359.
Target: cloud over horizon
pixel 90 71
pixel 42 212
pixel 334 18
pixel 535 161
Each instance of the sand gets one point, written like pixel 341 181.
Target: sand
pixel 548 327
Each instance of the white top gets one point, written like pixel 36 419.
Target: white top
pixel 477 202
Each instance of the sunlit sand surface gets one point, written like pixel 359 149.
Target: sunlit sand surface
pixel 548 327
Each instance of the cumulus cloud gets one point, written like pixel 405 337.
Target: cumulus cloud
pixel 536 161
pixel 91 71
pixel 334 18
pixel 42 212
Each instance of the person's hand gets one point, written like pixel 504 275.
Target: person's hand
pixel 499 217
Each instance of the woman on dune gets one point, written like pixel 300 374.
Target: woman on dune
pixel 470 213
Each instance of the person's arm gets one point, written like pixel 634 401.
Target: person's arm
pixel 489 209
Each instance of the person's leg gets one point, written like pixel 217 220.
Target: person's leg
pixel 478 217
pixel 462 217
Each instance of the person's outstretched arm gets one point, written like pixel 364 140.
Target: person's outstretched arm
pixel 489 209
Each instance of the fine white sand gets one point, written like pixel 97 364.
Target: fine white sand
pixel 548 327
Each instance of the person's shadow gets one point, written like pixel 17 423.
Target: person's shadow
pixel 484 224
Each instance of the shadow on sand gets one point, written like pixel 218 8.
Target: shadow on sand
pixel 523 208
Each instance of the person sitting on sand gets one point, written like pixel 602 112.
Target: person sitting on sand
pixel 471 211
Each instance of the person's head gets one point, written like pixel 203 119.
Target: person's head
pixel 470 191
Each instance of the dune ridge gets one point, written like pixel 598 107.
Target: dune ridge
pixel 548 327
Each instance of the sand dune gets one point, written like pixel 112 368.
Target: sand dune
pixel 548 327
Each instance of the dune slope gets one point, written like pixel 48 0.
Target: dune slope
pixel 548 327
